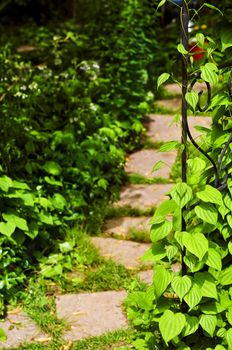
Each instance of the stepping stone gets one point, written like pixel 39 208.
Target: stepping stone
pixel 122 226
pixel 142 162
pixel 91 314
pixel 126 253
pixel 176 89
pixel 143 196
pixel 146 276
pixel 19 329
pixel 161 127
pixel 173 104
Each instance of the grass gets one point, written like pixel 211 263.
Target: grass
pixel 139 235
pixel 88 272
pixel 119 340
pixel 118 212
pixel 106 276
pixel 136 235
pixel 139 179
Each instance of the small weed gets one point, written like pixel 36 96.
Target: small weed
pixel 115 340
pixel 117 212
pixel 140 179
pixel 108 275
pixel 139 235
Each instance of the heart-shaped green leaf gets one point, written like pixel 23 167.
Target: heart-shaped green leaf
pixel 181 285
pixel 171 325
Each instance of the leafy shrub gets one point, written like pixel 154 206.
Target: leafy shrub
pixel 72 103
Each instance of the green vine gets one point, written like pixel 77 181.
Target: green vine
pixel 189 304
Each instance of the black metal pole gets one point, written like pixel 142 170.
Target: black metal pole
pixel 184 39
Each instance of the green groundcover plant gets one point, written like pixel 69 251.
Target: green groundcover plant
pixel 72 99
pixel 189 303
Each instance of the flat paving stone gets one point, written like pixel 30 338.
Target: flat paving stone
pixel 91 314
pixel 143 196
pixel 123 226
pixel 126 253
pixel 176 89
pixel 19 329
pixel 142 162
pixel 161 127
pixel 146 276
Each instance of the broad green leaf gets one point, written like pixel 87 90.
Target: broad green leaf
pixel 179 238
pixel 158 165
pixel 52 181
pixel 209 73
pixel 169 146
pixel 229 315
pixel 229 338
pixel 162 78
pixel 171 252
pixel 214 259
pixel 228 201
pixel 33 229
pixel 49 271
pixel 207 213
pixel 192 99
pixel 230 247
pixel 207 285
pixel 58 201
pixel 5 183
pixel 65 247
pixel 171 325
pixel 162 278
pixel 211 195
pixel 161 230
pixel 167 207
pixel 221 332
pixel 181 193
pixel 16 220
pixel 7 228
pixel 196 244
pixel 28 199
pixel 226 276
pixel 191 325
pixel 3 336
pixel 20 185
pixel 223 210
pixel 229 219
pixel 161 3
pixel 45 218
pixel 155 253
pixel 181 49
pixel 213 7
pixel 208 323
pixel 181 285
pixel 44 202
pixel 193 297
pixel 196 164
pixel 226 39
pixel 200 39
pixel 52 168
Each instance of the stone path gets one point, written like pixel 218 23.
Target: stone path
pixel 93 314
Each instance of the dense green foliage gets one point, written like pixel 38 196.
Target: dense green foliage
pixel 71 104
pixel 189 304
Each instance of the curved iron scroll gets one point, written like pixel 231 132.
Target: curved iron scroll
pixel 217 167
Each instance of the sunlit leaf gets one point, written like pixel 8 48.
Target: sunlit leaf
pixel 171 325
